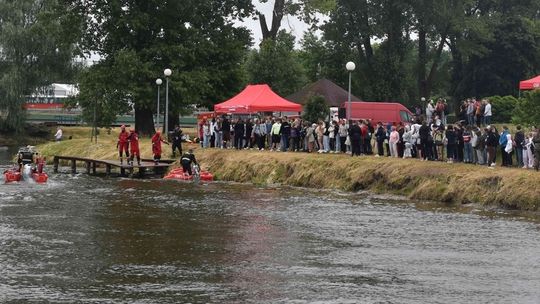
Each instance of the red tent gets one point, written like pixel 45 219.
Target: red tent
pixel 531 84
pixel 257 98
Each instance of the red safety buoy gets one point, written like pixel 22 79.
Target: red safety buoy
pixel 179 176
pixel 12 175
pixel 206 176
pixel 40 178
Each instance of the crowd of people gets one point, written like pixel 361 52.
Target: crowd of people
pixel 428 137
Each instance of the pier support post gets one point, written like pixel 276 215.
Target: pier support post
pixel 108 169
pixel 88 167
pixel 73 166
pixel 94 165
pixel 142 170
pixel 55 164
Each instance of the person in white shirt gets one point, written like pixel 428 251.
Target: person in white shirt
pixel 487 113
pixel 58 135
pixel 429 111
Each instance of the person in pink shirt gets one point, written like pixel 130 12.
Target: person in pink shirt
pixel 394 139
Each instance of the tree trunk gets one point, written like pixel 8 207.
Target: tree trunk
pixel 422 61
pixel 144 121
pixel 436 60
pixel 277 15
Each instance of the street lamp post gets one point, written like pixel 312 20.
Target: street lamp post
pixel 158 82
pixel 167 73
pixel 350 66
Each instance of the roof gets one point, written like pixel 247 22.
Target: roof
pixel 257 98
pixel 530 84
pixel 331 92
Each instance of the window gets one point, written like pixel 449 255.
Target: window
pixel 404 116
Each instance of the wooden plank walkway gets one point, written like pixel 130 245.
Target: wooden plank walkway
pixel 124 169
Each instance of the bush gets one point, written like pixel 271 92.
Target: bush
pixel 316 109
pixel 502 108
pixel 527 110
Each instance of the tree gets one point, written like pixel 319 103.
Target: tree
pixel 527 111
pixel 276 64
pixel 306 9
pixel 138 39
pixel 37 46
pixel 316 109
pixel 351 32
pixel 493 45
pixel 502 108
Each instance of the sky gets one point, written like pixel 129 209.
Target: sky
pixel 288 23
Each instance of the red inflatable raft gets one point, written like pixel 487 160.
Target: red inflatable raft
pixel 40 177
pixel 179 174
pixel 12 175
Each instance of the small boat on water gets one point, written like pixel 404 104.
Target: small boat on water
pixel 30 165
pixel 179 174
pixel 12 175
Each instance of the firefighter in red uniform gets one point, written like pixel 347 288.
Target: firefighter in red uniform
pixel 134 147
pixel 123 143
pixel 156 146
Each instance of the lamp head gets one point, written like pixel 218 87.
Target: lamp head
pixel 167 72
pixel 350 66
pixel 159 81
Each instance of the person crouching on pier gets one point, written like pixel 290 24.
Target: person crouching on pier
pixel 123 144
pixel 156 146
pixel 187 160
pixel 134 147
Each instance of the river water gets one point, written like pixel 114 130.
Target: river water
pixel 91 239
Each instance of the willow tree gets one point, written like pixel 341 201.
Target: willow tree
pixel 35 50
pixel 137 39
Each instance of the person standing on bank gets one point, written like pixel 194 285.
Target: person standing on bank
pixel 176 140
pixel 156 146
pixel 58 134
pixel 134 147
pixel 123 144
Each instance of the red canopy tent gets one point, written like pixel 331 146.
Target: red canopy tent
pixel 257 98
pixel 531 84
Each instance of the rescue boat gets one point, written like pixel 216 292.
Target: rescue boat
pixel 40 178
pixel 30 164
pixel 179 174
pixel 12 175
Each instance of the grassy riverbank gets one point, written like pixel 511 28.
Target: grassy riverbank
pixel 450 183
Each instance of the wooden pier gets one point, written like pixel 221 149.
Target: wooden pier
pixel 91 166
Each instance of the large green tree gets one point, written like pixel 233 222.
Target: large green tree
pixel 36 49
pixel 138 39
pixel 276 63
